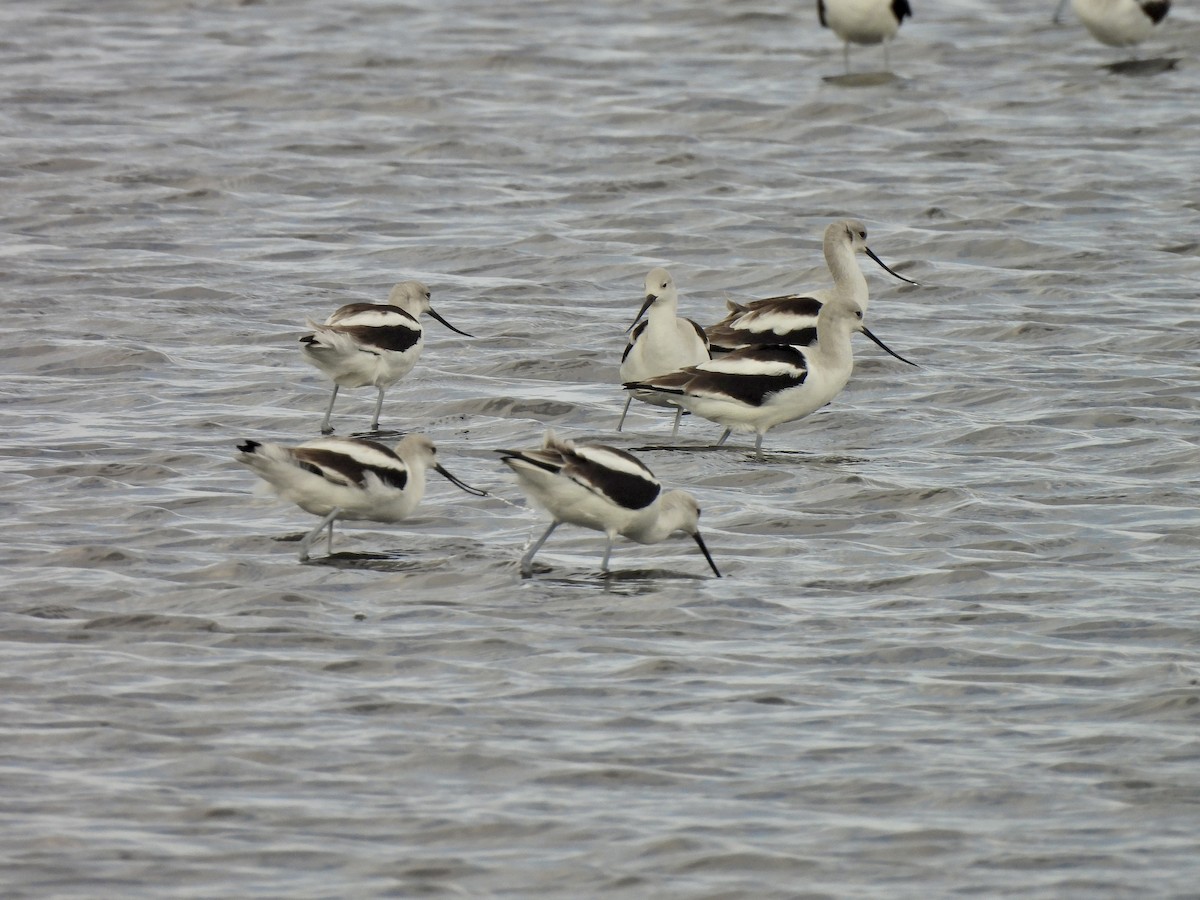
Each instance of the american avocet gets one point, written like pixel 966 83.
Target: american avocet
pixel 371 343
pixel 863 22
pixel 792 318
pixel 1121 23
pixel 604 489
pixel 757 388
pixel 348 478
pixel 661 343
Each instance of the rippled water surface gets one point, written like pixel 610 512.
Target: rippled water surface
pixel 956 650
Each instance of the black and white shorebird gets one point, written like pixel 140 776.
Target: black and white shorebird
pixel 371 343
pixel 661 343
pixel 863 22
pixel 1121 23
pixel 792 318
pixel 758 388
pixel 603 489
pixel 348 478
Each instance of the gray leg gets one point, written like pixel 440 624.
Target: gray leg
pixel 527 559
pixel 308 539
pixel 607 553
pixel 326 428
pixel 758 446
pixel 625 411
pixel 678 416
pixel 378 409
pixel 724 437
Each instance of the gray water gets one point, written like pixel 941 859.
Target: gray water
pixel 957 648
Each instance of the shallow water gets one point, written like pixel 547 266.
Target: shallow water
pixel 956 650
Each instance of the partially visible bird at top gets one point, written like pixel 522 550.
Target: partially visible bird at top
pixel 863 22
pixel 371 343
pixel 1121 23
pixel 661 343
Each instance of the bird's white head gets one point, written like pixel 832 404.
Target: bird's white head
pixel 413 298
pixel 417 450
pixel 852 234
pixel 659 292
pixel 658 283
pixel 410 296
pixel 681 512
pixel 419 454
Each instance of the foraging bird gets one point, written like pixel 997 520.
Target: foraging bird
pixel 604 489
pixel 792 319
pixel 661 343
pixel 1121 23
pixel 757 388
pixel 348 478
pixel 371 343
pixel 863 22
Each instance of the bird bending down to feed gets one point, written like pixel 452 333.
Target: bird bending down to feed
pixel 863 22
pixel 371 343
pixel 348 478
pixel 604 489
pixel 757 388
pixel 661 343
pixel 792 318
pixel 1121 23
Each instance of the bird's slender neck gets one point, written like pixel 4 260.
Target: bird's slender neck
pixel 843 264
pixel 664 309
pixel 835 325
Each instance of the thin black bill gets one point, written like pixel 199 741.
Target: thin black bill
pixel 464 334
pixel 886 348
pixel 650 298
pixel 885 268
pixel 707 555
pixel 457 483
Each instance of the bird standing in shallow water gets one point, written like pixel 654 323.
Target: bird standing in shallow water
pixel 792 319
pixel 755 389
pixel 603 489
pixel 348 478
pixel 371 343
pixel 662 343
pixel 863 22
pixel 1121 23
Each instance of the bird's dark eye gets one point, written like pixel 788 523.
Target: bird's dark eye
pixel 859 314
pixel 863 235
